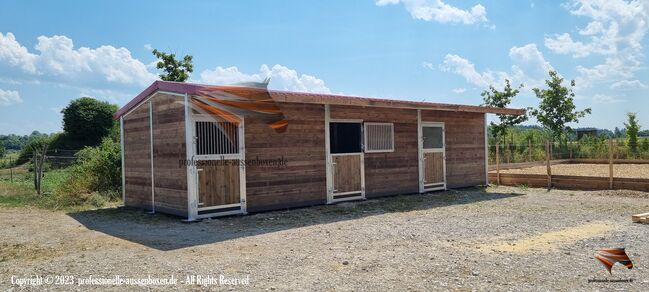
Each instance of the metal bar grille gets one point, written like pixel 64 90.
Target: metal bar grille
pixel 213 138
pixel 379 137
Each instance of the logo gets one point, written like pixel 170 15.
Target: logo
pixel 609 257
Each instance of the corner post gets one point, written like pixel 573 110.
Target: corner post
pixel 192 202
pixel 121 142
pixel 151 156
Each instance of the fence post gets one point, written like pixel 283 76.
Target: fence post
pixel 610 163
pixel 529 150
pixel 497 164
pixel 11 170
pixel 548 153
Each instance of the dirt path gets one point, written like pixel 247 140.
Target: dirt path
pixel 506 238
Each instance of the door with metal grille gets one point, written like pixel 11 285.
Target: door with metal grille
pixel 218 155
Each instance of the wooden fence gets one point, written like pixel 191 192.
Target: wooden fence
pixel 570 182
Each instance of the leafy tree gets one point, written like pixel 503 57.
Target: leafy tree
pixel 175 70
pixel 85 122
pixel 617 133
pixel 501 99
pixel 557 108
pixel 3 150
pixel 632 129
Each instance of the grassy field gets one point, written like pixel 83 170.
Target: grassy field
pixel 19 191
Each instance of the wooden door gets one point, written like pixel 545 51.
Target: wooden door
pixel 433 157
pixel 218 183
pixel 347 175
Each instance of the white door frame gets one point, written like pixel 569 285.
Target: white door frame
pixel 195 207
pixel 423 186
pixel 330 164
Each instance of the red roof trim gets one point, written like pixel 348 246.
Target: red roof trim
pixel 285 96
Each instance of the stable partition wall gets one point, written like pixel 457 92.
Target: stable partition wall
pixel 155 177
pixel 169 153
pixel 137 158
pixel 464 146
pixel 302 181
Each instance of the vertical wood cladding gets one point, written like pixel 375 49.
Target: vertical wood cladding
pixel 137 162
pixel 302 181
pixel 388 173
pixel 170 176
pixel 465 152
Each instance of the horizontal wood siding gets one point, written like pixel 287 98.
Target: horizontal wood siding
pixel 137 162
pixel 170 176
pixel 302 181
pixel 388 173
pixel 465 152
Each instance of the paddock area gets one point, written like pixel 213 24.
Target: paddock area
pixel 498 239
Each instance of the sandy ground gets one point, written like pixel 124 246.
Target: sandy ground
pixel 619 170
pixel 503 238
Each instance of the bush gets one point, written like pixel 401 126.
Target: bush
pixel 97 170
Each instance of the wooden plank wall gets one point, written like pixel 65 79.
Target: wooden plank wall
pixel 137 162
pixel 388 173
pixel 347 173
pixel 302 181
pixel 465 142
pixel 170 176
pixel 218 183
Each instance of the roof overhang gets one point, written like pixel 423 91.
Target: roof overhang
pixel 316 98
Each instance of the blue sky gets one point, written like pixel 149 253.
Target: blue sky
pixel 432 50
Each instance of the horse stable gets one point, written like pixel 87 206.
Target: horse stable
pixel 199 151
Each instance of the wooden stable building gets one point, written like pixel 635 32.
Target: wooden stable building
pixel 180 161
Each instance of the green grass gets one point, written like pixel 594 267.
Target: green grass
pixel 20 193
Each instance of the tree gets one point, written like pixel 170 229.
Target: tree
pixel 86 121
pixel 557 107
pixel 38 148
pixel 3 150
pixel 175 70
pixel 502 99
pixel 617 133
pixel 632 129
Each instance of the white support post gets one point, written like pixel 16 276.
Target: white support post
pixel 420 155
pixel 151 156
pixel 242 166
pixel 192 202
pixel 486 152
pixel 121 142
pixel 328 156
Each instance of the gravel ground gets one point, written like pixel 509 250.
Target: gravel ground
pixel 619 170
pixel 497 239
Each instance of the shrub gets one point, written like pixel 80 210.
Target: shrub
pixel 97 170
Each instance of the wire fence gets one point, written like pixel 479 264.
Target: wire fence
pixel 600 150
pixel 15 166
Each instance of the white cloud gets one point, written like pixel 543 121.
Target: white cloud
pixel 600 98
pixel 615 32
pixel 14 54
pixel 428 65
pixel 282 78
pixel 9 97
pixel 59 60
pixel 529 67
pixel 459 90
pixel 148 47
pixel 628 84
pixel 438 11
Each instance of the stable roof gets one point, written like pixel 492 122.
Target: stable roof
pixel 315 98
